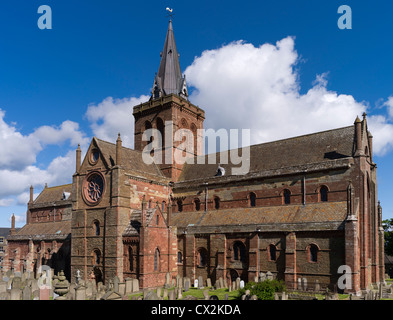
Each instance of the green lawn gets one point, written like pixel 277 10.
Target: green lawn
pixel 198 293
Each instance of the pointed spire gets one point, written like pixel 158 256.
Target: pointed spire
pixel 169 79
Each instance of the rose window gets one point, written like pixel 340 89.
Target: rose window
pixel 93 188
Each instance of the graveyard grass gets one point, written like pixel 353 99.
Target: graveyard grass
pixel 198 293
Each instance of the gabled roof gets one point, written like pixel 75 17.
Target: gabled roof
pixel 134 226
pixel 44 231
pixel 131 160
pixel 53 194
pixel 331 145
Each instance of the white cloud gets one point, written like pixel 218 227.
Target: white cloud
pixel 17 150
pixel 389 105
pixel 113 116
pixel 67 131
pixel 6 202
pixel 243 86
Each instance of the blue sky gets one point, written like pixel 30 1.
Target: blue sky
pixel 101 56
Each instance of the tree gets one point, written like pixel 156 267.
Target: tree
pixel 388 228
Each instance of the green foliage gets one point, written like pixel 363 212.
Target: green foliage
pixel 388 228
pixel 264 290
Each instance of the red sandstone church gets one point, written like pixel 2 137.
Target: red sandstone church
pixel 307 206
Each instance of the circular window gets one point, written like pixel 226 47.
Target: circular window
pixel 94 156
pixel 93 188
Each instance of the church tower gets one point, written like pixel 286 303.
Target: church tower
pixel 169 110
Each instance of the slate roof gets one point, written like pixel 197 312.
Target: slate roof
pixel 53 194
pixel 44 231
pixel 326 146
pixel 131 160
pixel 169 79
pixel 287 214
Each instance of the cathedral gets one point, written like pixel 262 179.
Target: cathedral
pixel 306 207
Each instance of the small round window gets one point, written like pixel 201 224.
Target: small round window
pixel 94 156
pixel 93 188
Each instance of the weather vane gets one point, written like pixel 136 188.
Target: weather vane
pixel 170 12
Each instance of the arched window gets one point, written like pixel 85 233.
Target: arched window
pixel 239 251
pixel 96 228
pixel 287 196
pixel 323 193
pixel 179 205
pixel 312 253
pixel 252 198
pixel 131 259
pixel 217 203
pixel 272 252
pixel 163 204
pixel 179 257
pixel 197 203
pixel 156 260
pixel 149 204
pixel 96 257
pixel 202 257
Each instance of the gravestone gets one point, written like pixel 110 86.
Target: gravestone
pixel 186 285
pixel 237 283
pixel 262 277
pixel 165 295
pixel 26 293
pixel 16 283
pixel 44 292
pixel 36 295
pixel 122 288
pixel 217 284
pixel 241 285
pixel 221 280
pixel 208 282
pixel 16 294
pixel 3 286
pixel 159 289
pixel 196 283
pixel 206 294
pixel 171 295
pixel 5 296
pixel 116 282
pixel 80 293
pixel 317 286
pixel 304 284
pixel 135 285
pixel 200 282
pixel 269 275
pixel 150 295
pixel 128 285
pixel 167 280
